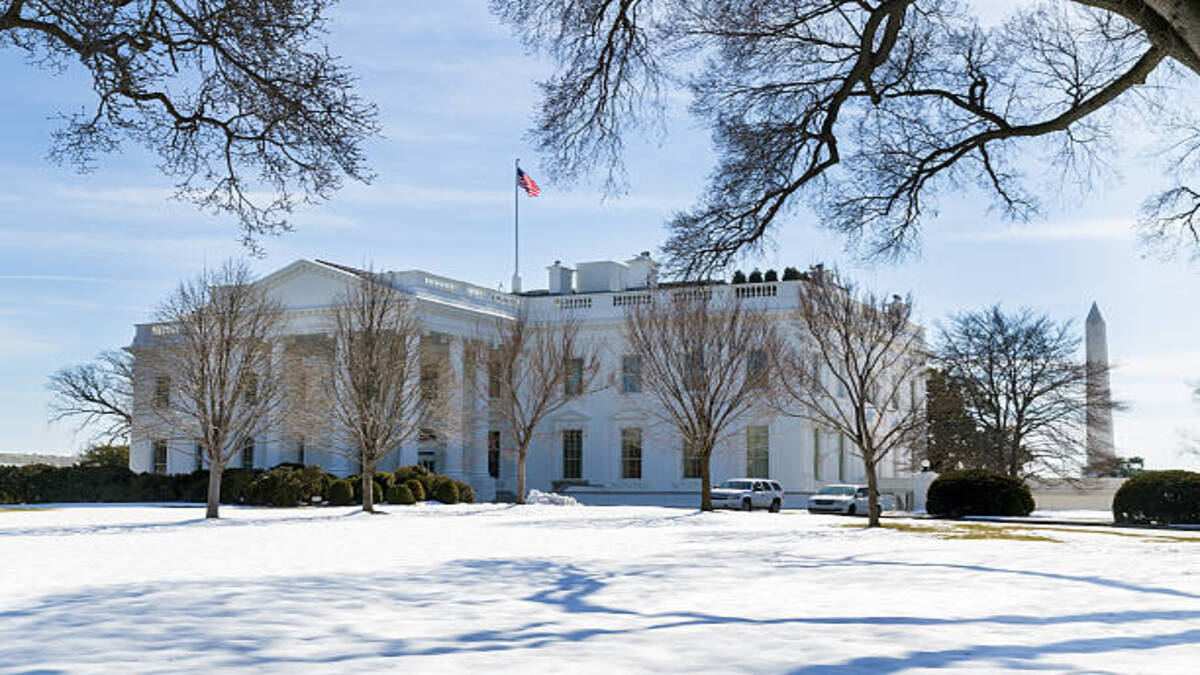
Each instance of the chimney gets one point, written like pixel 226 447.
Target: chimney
pixel 642 272
pixel 561 279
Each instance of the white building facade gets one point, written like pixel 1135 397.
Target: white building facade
pixel 603 447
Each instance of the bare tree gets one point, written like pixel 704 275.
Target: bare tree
pixel 1023 386
pixel 852 369
pixel 534 368
pixel 374 388
pixel 704 355
pixel 867 109
pixel 210 377
pixel 234 97
pixel 97 394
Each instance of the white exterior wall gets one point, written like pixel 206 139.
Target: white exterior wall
pixel 462 312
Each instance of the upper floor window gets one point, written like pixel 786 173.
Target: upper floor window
pixel 756 368
pixel 631 452
pixel 162 391
pixel 572 453
pixel 631 374
pixel 199 457
pixel 251 389
pixel 573 383
pixel 160 457
pixel 693 371
pixel 493 379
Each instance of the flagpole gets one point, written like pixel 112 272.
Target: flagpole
pixel 516 278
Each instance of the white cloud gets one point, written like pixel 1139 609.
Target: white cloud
pixel 1078 230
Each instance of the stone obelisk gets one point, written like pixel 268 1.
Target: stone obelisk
pixel 1099 394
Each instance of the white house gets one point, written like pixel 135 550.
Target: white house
pixel 603 447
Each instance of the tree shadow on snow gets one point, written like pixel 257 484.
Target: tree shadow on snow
pixel 528 604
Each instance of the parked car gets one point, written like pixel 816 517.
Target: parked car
pixel 847 499
pixel 748 494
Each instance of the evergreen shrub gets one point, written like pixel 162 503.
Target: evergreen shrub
pixel 447 492
pixel 771 275
pixel 399 493
pixel 341 492
pixel 1159 498
pixel 416 488
pixel 466 494
pixel 978 492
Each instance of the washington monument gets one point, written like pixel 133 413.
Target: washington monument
pixel 1099 394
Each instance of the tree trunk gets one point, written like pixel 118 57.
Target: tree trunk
pixel 872 495
pixel 214 490
pixel 521 452
pixel 706 482
pixel 368 487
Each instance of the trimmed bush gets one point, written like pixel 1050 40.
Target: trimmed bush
pixel 235 483
pixel 771 275
pixel 466 494
pixel 399 493
pixel 341 492
pixel 739 277
pixel 976 492
pixel 280 486
pixel 416 489
pixel 384 480
pixel 447 492
pixel 791 274
pixel 755 277
pixel 1159 497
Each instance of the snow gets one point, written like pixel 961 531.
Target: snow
pixel 550 499
pixel 535 588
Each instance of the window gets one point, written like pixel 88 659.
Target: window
pixel 756 369
pixel 493 456
pixel 300 451
pixel 251 395
pixel 248 453
pixel 493 379
pixel 841 458
pixel 816 453
pixel 693 463
pixel 573 384
pixel 160 457
pixel 430 381
pixel 199 457
pixel 758 458
pixel 693 374
pixel 162 391
pixel 572 453
pixel 427 459
pixel 631 453
pixel 631 374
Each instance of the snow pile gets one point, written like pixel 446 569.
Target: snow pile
pixel 550 498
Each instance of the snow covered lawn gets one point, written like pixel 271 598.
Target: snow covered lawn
pixel 494 588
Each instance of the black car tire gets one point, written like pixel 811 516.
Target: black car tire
pixel 775 506
pixel 747 505
pixel 852 510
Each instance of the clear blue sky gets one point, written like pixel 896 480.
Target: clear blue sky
pixel 84 257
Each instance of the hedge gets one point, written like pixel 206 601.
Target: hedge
pixel 283 485
pixel 1159 497
pixel 977 492
pixel 399 493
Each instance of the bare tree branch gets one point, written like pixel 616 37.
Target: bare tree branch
pixel 97 395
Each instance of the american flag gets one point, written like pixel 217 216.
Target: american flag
pixel 525 182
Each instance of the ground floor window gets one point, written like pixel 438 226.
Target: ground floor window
pixel 693 462
pixel 631 453
pixel 572 453
pixel 842 458
pixel 816 453
pixel 247 453
pixel 160 457
pixel 758 454
pixel 300 451
pixel 199 457
pixel 493 456
pixel 428 460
